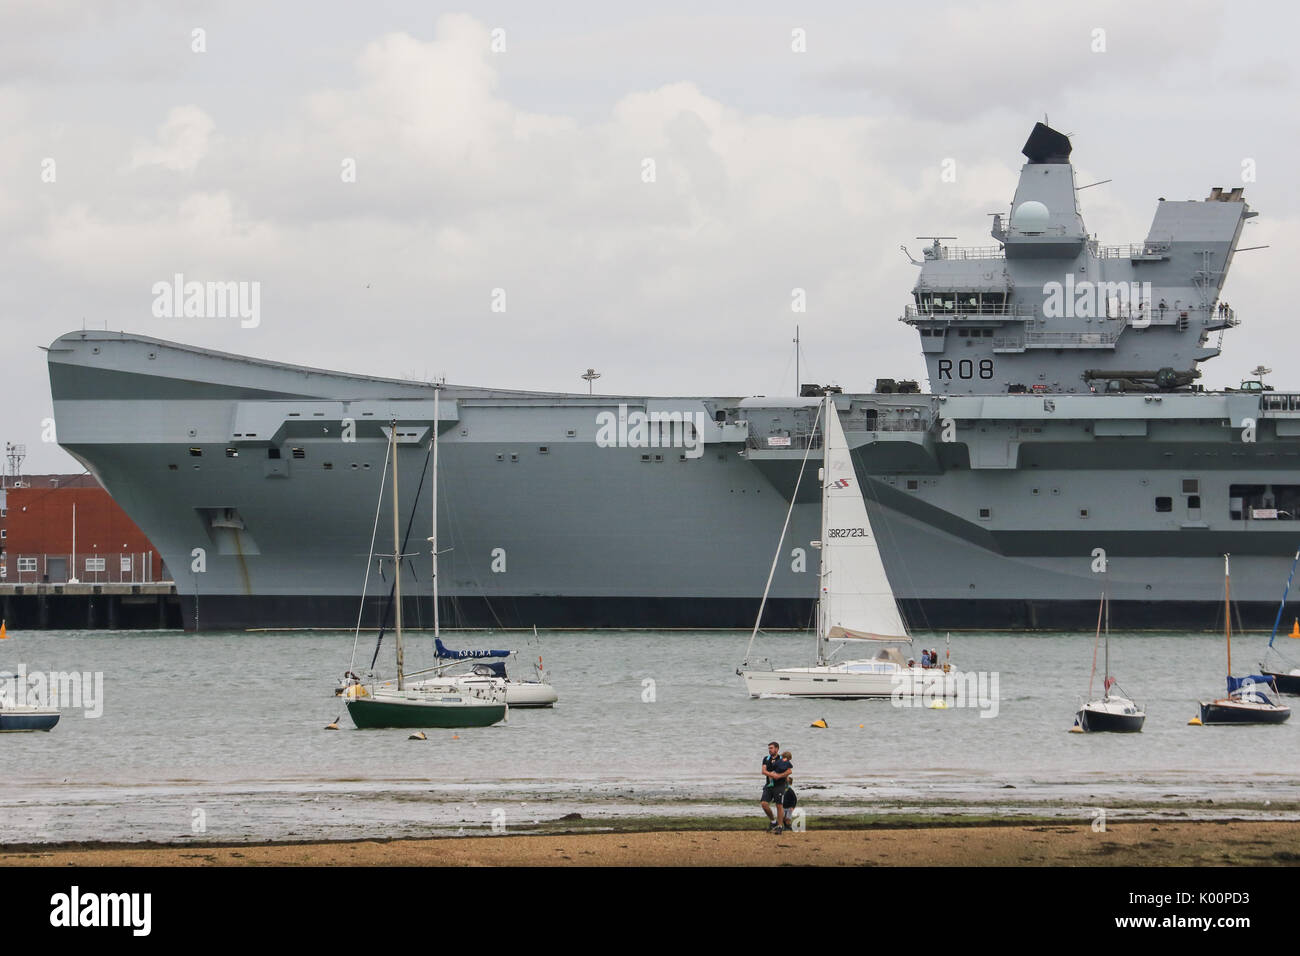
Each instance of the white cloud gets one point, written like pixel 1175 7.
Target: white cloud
pixel 181 141
pixel 680 286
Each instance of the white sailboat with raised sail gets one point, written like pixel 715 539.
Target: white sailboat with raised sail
pixel 855 601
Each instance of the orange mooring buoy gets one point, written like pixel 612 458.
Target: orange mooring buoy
pixel 1295 629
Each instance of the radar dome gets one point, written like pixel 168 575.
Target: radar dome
pixel 1030 216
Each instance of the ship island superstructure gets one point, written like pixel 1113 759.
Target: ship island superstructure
pixel 1065 432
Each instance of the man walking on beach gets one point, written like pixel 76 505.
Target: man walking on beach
pixel 775 771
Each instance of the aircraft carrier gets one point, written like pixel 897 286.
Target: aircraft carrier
pixel 1066 431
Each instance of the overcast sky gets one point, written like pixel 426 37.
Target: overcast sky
pixel 522 169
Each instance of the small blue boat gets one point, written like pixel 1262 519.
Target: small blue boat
pixel 15 719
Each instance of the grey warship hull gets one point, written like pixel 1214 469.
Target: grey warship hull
pixel 996 528
pixel 1064 438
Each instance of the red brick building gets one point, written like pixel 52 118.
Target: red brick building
pixel 38 542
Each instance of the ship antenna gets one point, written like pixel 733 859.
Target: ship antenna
pixel 797 387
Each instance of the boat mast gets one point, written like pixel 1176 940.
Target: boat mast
pixel 1285 591
pixel 827 411
pixel 1227 611
pixel 1105 683
pixel 433 541
pixel 397 554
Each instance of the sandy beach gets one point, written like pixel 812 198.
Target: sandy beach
pixel 1217 843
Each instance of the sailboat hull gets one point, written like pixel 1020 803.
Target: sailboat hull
pixel 842 682
pixel 1242 712
pixel 1102 720
pixel 412 712
pixel 18 720
pixel 1285 683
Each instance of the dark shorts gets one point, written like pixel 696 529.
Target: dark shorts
pixel 773 793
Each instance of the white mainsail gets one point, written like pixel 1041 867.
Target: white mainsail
pixel 856 601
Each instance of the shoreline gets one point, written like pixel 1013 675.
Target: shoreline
pixel 707 842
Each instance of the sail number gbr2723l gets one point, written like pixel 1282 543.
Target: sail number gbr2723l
pixel 847 533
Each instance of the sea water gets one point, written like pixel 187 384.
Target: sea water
pixel 220 737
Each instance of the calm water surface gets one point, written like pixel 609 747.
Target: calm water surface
pixel 219 736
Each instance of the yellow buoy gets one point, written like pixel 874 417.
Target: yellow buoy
pixel 1295 629
pixel 1076 729
pixel 819 722
pixel 332 726
pixel 3 633
pixel 1194 722
pixel 938 705
pixel 860 726
pixel 418 735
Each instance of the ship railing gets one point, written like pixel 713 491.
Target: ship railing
pixel 784 440
pixel 890 423
pixel 1279 403
pixel 1100 339
pixel 902 420
pixel 87 568
pixel 1134 250
pixel 1015 310
pixel 964 252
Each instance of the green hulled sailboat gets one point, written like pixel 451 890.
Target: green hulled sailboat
pixel 428 703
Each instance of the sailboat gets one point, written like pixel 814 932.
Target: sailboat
pixel 1287 682
pixel 488 669
pixel 1112 713
pixel 491 665
pixel 1248 700
pixel 421 704
pixel 17 716
pixel 855 601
